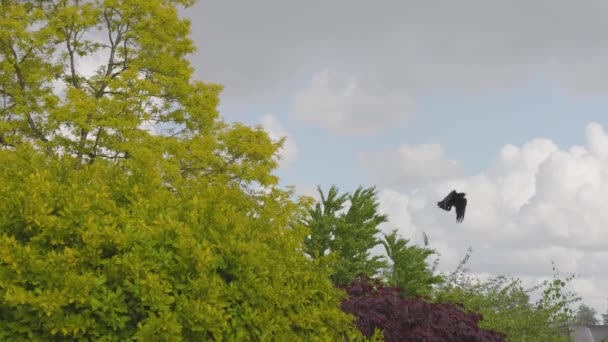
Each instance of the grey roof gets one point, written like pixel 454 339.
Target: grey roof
pixel 590 333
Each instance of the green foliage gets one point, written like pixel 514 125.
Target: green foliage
pixel 142 77
pixel 506 306
pixel 409 268
pixel 586 316
pixel 108 252
pixel 344 239
pixel 356 336
pixel 322 221
pixel 111 232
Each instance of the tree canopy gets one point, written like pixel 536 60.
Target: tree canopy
pixel 344 236
pixel 130 209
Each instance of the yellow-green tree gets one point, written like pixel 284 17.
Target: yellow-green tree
pixel 129 209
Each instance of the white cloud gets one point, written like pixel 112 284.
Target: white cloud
pixel 393 204
pixel 537 203
pixel 597 140
pixel 276 131
pixel 410 165
pixel 350 104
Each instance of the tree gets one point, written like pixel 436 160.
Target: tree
pixel 130 210
pixel 410 319
pixel 322 221
pixel 345 239
pixel 506 305
pixel 605 318
pixel 586 315
pixel 409 269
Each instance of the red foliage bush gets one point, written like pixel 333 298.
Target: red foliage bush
pixel 410 319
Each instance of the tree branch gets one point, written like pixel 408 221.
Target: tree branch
pixel 93 154
pixel 21 80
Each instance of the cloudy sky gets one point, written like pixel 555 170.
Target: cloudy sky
pixel 504 100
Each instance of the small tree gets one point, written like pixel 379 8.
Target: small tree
pixel 506 307
pixel 586 315
pixel 346 238
pixel 409 268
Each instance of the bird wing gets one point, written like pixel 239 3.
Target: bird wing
pixel 448 201
pixel 460 204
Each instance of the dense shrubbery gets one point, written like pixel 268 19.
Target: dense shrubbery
pixel 508 307
pixel 108 252
pixel 410 319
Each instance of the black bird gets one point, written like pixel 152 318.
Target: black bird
pixel 457 200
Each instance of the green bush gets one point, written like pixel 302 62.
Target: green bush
pixel 109 252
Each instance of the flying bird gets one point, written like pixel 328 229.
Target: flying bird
pixel 454 199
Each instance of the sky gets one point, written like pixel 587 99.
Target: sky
pixel 503 100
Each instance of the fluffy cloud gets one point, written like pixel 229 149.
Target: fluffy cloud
pixel 410 165
pixel 350 104
pixel 276 131
pixel 597 141
pixel 537 203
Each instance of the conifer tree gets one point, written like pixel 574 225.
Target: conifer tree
pixel 345 237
